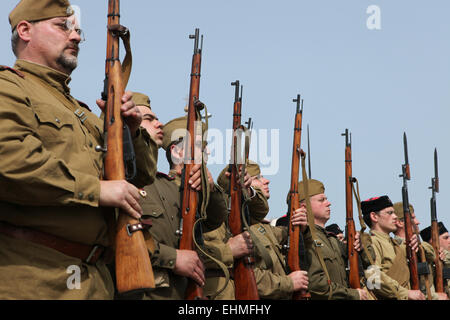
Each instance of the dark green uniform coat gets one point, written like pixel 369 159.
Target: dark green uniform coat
pixel 272 281
pixel 334 256
pixel 163 205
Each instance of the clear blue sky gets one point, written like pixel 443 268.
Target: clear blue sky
pixel 376 83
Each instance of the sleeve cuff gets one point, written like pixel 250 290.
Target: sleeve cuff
pixel 166 257
pixel 87 190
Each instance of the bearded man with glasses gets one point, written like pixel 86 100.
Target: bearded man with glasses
pixel 55 233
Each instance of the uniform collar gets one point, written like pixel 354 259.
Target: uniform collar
pixel 174 175
pixel 380 234
pixel 53 77
pixel 398 239
pixel 162 174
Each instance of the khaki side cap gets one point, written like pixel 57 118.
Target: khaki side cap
pixel 35 10
pixel 141 99
pixel 398 208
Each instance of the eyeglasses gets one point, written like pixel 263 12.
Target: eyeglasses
pixel 68 27
pixel 388 212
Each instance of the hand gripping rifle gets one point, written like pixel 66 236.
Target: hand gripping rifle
pixel 354 278
pixel 439 280
pixel 295 239
pixel 132 262
pixel 244 277
pixel 190 198
pixel 410 254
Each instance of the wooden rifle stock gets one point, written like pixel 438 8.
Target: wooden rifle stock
pixel 354 279
pixel 439 278
pixel 244 277
pixel 189 201
pixel 410 254
pixel 132 261
pixel 293 257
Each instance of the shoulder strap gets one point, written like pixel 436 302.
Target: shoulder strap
pixel 20 74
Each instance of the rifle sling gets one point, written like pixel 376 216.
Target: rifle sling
pixel 203 215
pixel 127 61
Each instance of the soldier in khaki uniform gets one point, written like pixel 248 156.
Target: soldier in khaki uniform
pixel 391 277
pixel 150 121
pixel 332 250
pixel 272 277
pixel 52 225
pixel 427 249
pixel 221 245
pixel 172 267
pixel 274 280
pixel 444 250
pixel 270 274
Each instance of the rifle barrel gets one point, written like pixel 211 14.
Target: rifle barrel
pixel 411 255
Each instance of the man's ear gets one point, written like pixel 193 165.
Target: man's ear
pixel 373 217
pixel 24 30
pixel 176 153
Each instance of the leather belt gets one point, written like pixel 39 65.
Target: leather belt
pixel 88 253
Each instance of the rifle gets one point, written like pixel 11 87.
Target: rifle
pixel 132 262
pixel 410 254
pixel 422 265
pixel 295 238
pixel 244 278
pixel 354 279
pixel 189 197
pixel 309 152
pixel 439 279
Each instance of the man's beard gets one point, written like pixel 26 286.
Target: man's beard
pixel 67 62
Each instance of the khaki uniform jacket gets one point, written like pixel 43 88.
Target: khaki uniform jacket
pixel 387 287
pixel 333 252
pixel 50 181
pixel 216 245
pixel 163 205
pixel 429 256
pixel 272 283
pixel 447 265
